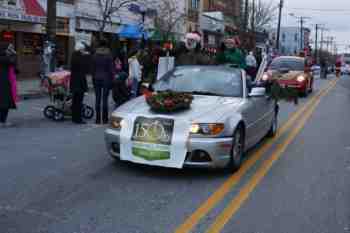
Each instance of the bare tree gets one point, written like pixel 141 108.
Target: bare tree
pixel 109 8
pixel 261 14
pixel 169 18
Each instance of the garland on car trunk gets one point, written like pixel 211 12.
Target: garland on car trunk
pixel 169 101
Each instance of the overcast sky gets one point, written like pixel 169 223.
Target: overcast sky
pixel 334 14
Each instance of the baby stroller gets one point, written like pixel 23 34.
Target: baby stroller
pixel 57 85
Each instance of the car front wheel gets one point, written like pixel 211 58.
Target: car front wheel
pixel 274 126
pixel 237 150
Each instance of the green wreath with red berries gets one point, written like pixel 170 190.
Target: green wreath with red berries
pixel 169 101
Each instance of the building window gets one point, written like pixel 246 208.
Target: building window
pixel 194 4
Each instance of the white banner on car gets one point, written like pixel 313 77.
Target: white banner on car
pixel 156 140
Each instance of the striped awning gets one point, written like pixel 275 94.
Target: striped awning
pixel 33 7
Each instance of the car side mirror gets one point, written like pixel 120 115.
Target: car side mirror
pixel 258 92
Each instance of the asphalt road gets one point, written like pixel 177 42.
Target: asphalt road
pixel 58 178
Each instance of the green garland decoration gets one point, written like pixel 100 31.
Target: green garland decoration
pixel 169 101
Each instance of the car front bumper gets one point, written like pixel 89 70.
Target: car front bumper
pixel 202 152
pixel 300 86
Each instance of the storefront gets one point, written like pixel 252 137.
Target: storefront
pixel 25 20
pixel 28 41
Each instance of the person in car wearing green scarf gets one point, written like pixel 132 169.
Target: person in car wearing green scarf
pixel 231 54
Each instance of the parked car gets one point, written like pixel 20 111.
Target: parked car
pixel 292 72
pixel 227 117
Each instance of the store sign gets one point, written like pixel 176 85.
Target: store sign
pixel 20 16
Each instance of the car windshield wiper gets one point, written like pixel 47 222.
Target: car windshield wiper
pixel 204 93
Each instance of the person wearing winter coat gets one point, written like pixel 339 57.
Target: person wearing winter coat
pixel 251 65
pixel 135 73
pixel 8 92
pixel 192 52
pixel 231 54
pixel 103 72
pixel 78 83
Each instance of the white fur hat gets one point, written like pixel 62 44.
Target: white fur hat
pixel 193 36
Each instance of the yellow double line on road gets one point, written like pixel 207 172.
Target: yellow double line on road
pixel 231 182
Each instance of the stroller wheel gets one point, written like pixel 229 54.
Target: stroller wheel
pixel 87 112
pixel 58 115
pixel 49 112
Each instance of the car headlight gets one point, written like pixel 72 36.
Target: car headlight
pixel 265 77
pixel 207 129
pixel 116 122
pixel 301 78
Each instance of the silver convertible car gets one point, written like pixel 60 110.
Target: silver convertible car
pixel 228 116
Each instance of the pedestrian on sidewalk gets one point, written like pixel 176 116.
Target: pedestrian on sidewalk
pixel 78 84
pixel 103 72
pixel 135 73
pixel 8 88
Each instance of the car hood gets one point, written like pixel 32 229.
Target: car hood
pixel 203 108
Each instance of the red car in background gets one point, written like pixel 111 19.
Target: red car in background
pixel 291 71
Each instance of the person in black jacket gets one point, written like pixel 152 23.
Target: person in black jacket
pixel 7 88
pixel 78 84
pixel 103 72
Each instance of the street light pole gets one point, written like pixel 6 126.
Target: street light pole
pixel 279 24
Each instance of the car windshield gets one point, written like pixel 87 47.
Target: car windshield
pixel 287 63
pixel 202 81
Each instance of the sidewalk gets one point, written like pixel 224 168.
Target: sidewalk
pixel 30 88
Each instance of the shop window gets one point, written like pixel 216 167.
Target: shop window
pixel 32 44
pixel 62 25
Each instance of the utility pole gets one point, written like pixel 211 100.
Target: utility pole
pixel 322 40
pixel 279 24
pixel 301 19
pixel 316 42
pixel 51 30
pixel 246 15
pixel 253 17
pixel 301 34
